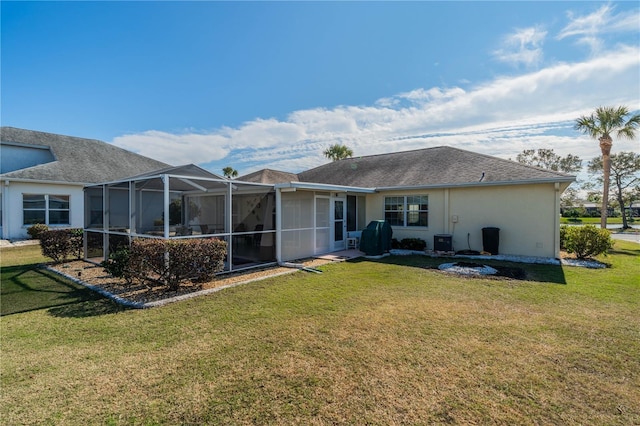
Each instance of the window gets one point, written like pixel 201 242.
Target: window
pixel 47 209
pixel 356 212
pixel 408 210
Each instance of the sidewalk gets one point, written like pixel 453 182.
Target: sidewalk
pixel 17 243
pixel 633 237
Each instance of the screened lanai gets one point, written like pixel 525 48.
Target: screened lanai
pixel 180 203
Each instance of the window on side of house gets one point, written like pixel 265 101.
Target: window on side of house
pixel 407 210
pixel 417 207
pixel 45 208
pixel 356 213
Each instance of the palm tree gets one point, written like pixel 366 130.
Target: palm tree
pixel 338 152
pixel 230 172
pixel 600 125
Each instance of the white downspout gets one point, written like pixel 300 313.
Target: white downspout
pixel 230 226
pixel 133 209
pixel 5 216
pixel 556 221
pixel 106 219
pixel 279 225
pixel 446 210
pixel 165 216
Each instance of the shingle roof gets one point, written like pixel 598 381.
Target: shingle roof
pixel 269 176
pixel 426 167
pixel 77 160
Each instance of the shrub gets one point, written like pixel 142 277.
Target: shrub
pixel 60 244
pixel 175 262
pixel 36 230
pixel 575 212
pixel 55 244
pixel 587 241
pixel 118 264
pixel 415 244
pixel 563 237
pixel 76 237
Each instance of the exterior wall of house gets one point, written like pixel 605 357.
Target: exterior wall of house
pixel 525 214
pixel 436 225
pixel 12 212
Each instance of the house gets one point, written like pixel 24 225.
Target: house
pixel 42 176
pixel 271 216
pixel 445 190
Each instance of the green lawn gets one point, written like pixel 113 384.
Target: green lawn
pixel 26 287
pixel 387 342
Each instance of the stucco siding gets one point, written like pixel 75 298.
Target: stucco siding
pixel 375 211
pixel 12 215
pixel 524 213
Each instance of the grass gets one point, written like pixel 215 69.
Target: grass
pixel 26 287
pixel 387 342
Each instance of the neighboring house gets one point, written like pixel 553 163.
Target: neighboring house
pixel 271 216
pixel 269 176
pixel 42 176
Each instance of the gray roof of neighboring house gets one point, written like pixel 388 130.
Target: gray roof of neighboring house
pixel 438 166
pixel 77 160
pixel 269 176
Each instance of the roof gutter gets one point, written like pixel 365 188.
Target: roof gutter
pixel 568 179
pixel 51 182
pixel 324 187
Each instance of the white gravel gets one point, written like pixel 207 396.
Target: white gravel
pixel 467 270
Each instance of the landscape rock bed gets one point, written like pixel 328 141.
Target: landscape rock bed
pixel 147 295
pixel 472 269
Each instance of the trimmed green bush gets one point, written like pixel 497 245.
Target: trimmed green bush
pixel 415 244
pixel 36 230
pixel 563 237
pixel 118 264
pixel 586 241
pixel 173 262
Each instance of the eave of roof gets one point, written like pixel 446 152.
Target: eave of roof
pixel 477 184
pixel 5 178
pixel 324 187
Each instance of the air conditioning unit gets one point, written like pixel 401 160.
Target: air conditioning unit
pixel 443 242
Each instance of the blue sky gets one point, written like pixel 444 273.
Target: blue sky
pixel 272 84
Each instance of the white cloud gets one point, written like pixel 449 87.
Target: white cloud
pixel 500 117
pixel 176 148
pixel 588 29
pixel 524 47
